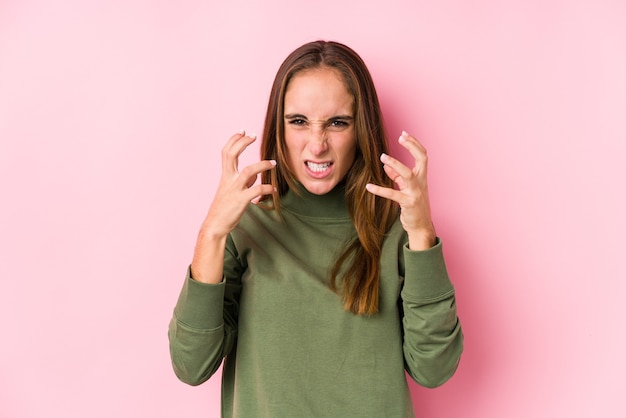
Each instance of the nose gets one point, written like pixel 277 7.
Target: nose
pixel 318 142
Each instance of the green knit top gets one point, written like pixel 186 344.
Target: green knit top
pixel 289 347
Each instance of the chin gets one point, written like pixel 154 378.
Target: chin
pixel 319 188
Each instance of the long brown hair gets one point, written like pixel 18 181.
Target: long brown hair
pixel 372 216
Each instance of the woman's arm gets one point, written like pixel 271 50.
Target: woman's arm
pixel 235 191
pixel 203 329
pixel 433 340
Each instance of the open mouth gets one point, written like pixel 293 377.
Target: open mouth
pixel 318 167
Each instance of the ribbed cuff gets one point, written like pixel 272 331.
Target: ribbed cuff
pixel 200 305
pixel 425 274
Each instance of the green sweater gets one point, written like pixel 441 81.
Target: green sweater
pixel 290 348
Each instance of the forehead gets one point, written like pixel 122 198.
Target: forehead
pixel 320 92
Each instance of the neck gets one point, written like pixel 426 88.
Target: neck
pixel 329 205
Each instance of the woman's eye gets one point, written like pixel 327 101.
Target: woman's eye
pixel 297 122
pixel 338 124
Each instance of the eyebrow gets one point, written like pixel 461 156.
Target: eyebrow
pixel 300 116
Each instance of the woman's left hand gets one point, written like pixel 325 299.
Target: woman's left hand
pixel 411 194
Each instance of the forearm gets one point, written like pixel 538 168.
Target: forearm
pixel 433 340
pixel 201 331
pixel 195 354
pixel 207 265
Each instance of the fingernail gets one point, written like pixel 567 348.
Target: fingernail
pixel 252 135
pixel 368 187
pixel 384 157
pixel 273 162
pixel 241 131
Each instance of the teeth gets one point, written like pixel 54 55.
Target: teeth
pixel 317 167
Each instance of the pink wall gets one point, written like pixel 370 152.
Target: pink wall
pixel 112 115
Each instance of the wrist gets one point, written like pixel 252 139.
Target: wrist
pixel 212 230
pixel 208 257
pixel 420 240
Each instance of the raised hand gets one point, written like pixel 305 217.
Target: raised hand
pixel 235 191
pixel 236 188
pixel 411 193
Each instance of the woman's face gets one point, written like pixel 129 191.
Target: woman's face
pixel 319 128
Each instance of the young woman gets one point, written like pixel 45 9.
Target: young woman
pixel 322 294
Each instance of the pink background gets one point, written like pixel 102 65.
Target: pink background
pixel 112 115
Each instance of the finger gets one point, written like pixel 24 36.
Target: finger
pixel 257 168
pixel 233 149
pixel 384 192
pixel 397 167
pixel 410 141
pixel 394 176
pixel 259 190
pixel 230 144
pixel 250 173
pixel 416 149
pixel 234 138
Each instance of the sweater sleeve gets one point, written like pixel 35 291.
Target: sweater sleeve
pixel 433 340
pixel 203 329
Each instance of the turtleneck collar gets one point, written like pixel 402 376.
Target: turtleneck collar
pixel 329 205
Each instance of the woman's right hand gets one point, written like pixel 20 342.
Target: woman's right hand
pixel 236 188
pixel 235 191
